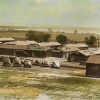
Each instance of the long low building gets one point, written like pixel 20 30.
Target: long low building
pixel 22 43
pixel 81 46
pixel 22 50
pixel 69 50
pixel 83 55
pixel 43 49
pixel 29 48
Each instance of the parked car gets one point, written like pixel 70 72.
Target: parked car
pixel 17 62
pixel 27 63
pixel 45 64
pixel 55 64
pixel 36 62
pixel 6 62
pixel 12 59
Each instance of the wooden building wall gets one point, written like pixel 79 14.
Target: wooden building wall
pixel 57 54
pixel 30 53
pixel 93 70
pixel 7 52
pixel 77 57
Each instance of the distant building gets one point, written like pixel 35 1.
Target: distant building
pixel 50 44
pixel 69 50
pixel 5 39
pixel 23 50
pixel 83 55
pixel 54 47
pixel 27 42
pixel 31 49
pixel 80 46
pixel 93 66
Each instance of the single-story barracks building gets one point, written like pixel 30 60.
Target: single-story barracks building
pixel 93 66
pixel 30 49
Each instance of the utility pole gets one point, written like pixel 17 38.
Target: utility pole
pixel 50 30
pixel 98 41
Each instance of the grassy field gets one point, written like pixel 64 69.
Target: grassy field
pixel 21 35
pixel 56 84
pixel 72 36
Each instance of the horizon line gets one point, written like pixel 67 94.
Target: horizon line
pixel 47 26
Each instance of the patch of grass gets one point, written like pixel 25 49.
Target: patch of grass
pixel 28 85
pixel 19 92
pixel 68 80
pixel 8 84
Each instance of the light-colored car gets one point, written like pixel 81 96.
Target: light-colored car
pixel 45 64
pixel 17 62
pixel 6 62
pixel 27 63
pixel 55 64
pixel 36 62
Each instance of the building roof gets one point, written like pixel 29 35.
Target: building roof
pixel 49 44
pixel 21 43
pixel 94 59
pixel 23 47
pixel 4 39
pixel 90 51
pixel 70 49
pixel 77 45
pixel 7 46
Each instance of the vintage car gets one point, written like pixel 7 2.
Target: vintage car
pixel 55 64
pixel 27 63
pixel 17 62
pixel 45 64
pixel 6 62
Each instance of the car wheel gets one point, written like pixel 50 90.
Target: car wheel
pixel 22 65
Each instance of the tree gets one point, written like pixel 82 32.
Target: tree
pixel 91 41
pixel 46 37
pixel 37 36
pixel 61 39
pixel 30 35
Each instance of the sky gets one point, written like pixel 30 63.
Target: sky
pixel 85 13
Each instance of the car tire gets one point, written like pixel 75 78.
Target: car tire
pixel 22 65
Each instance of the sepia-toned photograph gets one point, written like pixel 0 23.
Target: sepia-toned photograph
pixel 49 49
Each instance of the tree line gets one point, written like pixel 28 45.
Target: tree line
pixel 61 38
pixel 44 37
pixel 37 36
